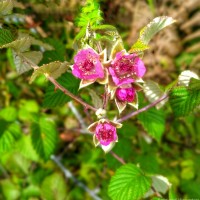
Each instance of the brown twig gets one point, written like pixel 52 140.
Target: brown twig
pixel 143 109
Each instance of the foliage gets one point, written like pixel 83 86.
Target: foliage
pixel 46 150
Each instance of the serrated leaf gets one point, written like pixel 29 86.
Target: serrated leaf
pixel 9 133
pixel 138 46
pixel 54 69
pixel 54 97
pixel 128 183
pixel 25 61
pixel 153 122
pixel 185 76
pixel 44 137
pixel 54 187
pixel 25 147
pixel 5 37
pixel 184 100
pixel 6 6
pixel 153 92
pixel 148 32
pixel 19 45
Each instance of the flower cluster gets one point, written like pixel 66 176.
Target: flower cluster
pixel 121 73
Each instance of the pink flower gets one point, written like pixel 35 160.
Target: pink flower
pixel 105 133
pixel 126 68
pixel 87 65
pixel 125 94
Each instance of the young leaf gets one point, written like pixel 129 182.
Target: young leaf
pixel 6 6
pixel 25 61
pixel 5 37
pixel 129 183
pixel 44 137
pixel 54 97
pixel 184 100
pixel 19 45
pixel 54 69
pixel 153 122
pixel 147 33
pixel 153 92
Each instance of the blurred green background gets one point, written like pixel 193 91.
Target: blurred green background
pixel 25 176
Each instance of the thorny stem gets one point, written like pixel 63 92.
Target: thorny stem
pixel 143 109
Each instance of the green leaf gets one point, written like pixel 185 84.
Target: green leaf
pixel 96 100
pixel 153 122
pixel 9 114
pixel 44 137
pixel 10 190
pixel 128 183
pixel 153 92
pixel 25 147
pixel 5 37
pixel 54 69
pixel 25 61
pixel 9 134
pixel 148 32
pixel 184 100
pixel 138 46
pixel 19 45
pixel 54 187
pixel 54 97
pixel 6 6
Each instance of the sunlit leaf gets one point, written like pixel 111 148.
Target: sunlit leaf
pixel 185 76
pixel 54 69
pixel 44 137
pixel 6 6
pixel 25 61
pixel 148 32
pixel 128 183
pixel 153 92
pixel 184 100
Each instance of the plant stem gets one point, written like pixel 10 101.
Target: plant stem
pixel 117 157
pixel 143 109
pixel 65 91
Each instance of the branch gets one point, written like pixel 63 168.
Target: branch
pixel 69 175
pixel 60 87
pixel 143 109
pixel 68 93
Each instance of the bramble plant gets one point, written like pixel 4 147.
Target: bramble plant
pixel 100 61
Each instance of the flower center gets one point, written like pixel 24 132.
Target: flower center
pixel 105 133
pixel 88 66
pixel 124 67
